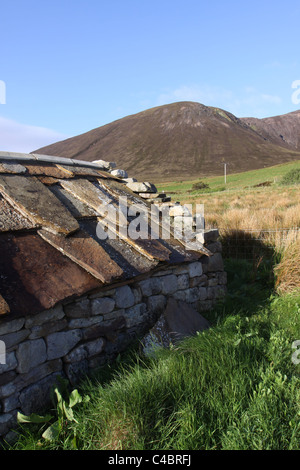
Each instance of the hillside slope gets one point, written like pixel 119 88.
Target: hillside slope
pixel 176 141
pixel 283 130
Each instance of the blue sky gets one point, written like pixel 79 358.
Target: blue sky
pixel 67 67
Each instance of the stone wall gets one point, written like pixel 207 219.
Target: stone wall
pixel 74 338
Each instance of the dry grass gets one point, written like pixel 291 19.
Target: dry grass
pixel 255 212
pixel 270 215
pixel 288 270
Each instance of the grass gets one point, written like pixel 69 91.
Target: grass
pixel 233 386
pixel 238 181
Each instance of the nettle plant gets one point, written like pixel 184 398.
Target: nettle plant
pixel 64 404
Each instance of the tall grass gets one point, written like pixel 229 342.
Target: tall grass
pixel 288 270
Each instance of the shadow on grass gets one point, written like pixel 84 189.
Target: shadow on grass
pixel 249 264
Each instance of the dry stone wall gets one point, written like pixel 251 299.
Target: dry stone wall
pixel 75 338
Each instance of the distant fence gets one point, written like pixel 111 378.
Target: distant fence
pixel 255 243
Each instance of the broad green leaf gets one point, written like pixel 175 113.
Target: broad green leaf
pixel 52 433
pixel 68 412
pixel 75 398
pixel 33 418
pixel 60 406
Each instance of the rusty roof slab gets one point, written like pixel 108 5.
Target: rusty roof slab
pixel 79 171
pixel 85 251
pixel 44 169
pixel 130 260
pixel 35 276
pixel 36 201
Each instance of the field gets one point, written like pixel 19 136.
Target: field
pixel 257 216
pixel 235 386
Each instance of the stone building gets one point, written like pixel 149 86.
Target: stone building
pixel 71 299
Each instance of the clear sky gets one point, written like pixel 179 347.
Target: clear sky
pixel 67 67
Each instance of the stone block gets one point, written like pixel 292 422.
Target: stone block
pixel 192 295
pixel 85 322
pixel 7 420
pixel 198 281
pixel 206 236
pixel 183 281
pixel 51 327
pixel 124 297
pixel 169 284
pixel 10 403
pixel 59 344
pixel 151 286
pixel 95 347
pixel 136 315
pixel 36 397
pixel 213 263
pixel 119 173
pixel 12 340
pixel 77 354
pixel 195 269
pixel 11 326
pixel 76 371
pixel 102 306
pixel 38 373
pixel 80 309
pixel 52 314
pixel 30 354
pixel 145 187
pixel 7 377
pixel 11 363
pixel 180 295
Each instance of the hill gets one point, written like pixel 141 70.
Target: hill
pixel 283 130
pixel 177 141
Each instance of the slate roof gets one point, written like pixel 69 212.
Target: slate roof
pixel 49 250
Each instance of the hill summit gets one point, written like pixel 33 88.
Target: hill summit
pixel 182 140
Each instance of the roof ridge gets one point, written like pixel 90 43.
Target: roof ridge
pixel 34 157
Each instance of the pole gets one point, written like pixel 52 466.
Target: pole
pixel 225 171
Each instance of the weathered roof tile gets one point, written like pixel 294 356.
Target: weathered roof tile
pixel 87 253
pixel 77 208
pixel 35 275
pixel 79 171
pixel 44 169
pixel 36 201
